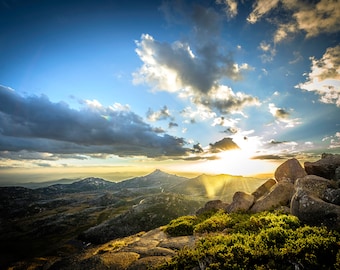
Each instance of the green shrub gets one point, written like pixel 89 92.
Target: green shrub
pixel 268 240
pixel 181 226
pixel 215 223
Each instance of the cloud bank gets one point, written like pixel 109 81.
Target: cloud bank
pixel 36 124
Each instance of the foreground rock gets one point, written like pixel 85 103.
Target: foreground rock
pixel 242 201
pixel 213 205
pixel 137 252
pixel 314 211
pixel 289 171
pixel 264 189
pixel 279 195
pixel 314 201
pixel 328 167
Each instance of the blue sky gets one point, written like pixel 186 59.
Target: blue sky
pixel 220 86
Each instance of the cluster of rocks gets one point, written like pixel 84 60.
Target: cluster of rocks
pixel 311 193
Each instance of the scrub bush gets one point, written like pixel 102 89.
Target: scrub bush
pixel 267 240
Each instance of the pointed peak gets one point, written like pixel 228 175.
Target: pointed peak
pixel 158 172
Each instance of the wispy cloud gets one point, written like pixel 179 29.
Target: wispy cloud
pixel 199 112
pixel 261 8
pixel 35 124
pixel 230 7
pixel 162 114
pixel 283 116
pixel 283 32
pixel 324 77
pixel 334 140
pixel 268 50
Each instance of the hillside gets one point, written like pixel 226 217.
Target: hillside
pixel 41 221
pixel 290 222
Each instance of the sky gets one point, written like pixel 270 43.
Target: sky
pixel 215 86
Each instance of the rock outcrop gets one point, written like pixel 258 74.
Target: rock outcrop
pixel 314 211
pixel 279 195
pixel 289 170
pixel 328 167
pixel 213 205
pixel 312 194
pixel 264 189
pixel 242 201
pixel 145 250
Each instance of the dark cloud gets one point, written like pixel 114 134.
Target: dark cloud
pixel 41 164
pixel 226 101
pixel 158 130
pixel 273 142
pixel 172 124
pixel 198 148
pixel 231 130
pixel 278 113
pixel 36 124
pixel 205 157
pixel 268 157
pixel 223 145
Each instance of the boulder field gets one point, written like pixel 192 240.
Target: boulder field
pixel 311 193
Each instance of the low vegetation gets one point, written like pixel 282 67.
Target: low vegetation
pixel 267 240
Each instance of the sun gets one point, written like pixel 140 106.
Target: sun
pixel 234 162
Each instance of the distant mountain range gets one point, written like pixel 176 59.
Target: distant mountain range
pixel 211 186
pixel 45 219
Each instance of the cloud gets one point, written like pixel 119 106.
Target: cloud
pixel 225 122
pixel 172 124
pixel 268 157
pixel 225 101
pixel 312 17
pixel 173 67
pixel 278 113
pixel 34 123
pixel 162 114
pixel 283 31
pixel 260 8
pixel 283 116
pixel 268 52
pixel 200 112
pixel 231 130
pixel 223 145
pixel 324 77
pixel 198 148
pixel 194 68
pixel 334 141
pixel 230 7
pixel 273 142
pixel 316 18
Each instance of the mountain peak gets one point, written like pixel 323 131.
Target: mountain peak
pixel 158 172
